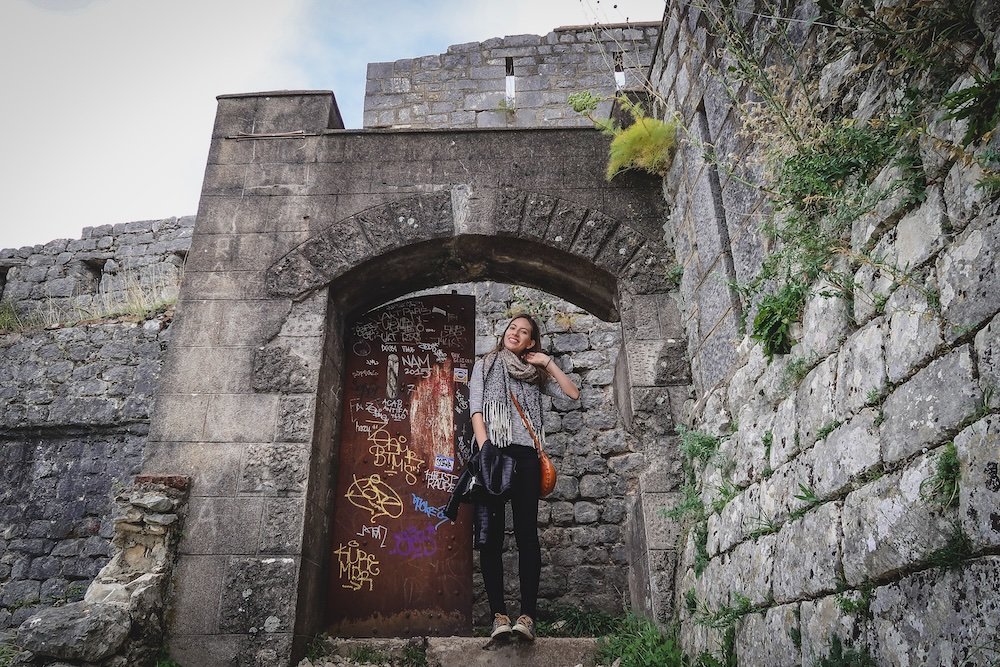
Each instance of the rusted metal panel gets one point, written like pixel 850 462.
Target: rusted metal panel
pixel 397 566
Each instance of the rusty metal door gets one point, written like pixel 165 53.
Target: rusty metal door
pixel 398 567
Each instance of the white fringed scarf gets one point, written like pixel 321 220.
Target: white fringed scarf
pixel 496 395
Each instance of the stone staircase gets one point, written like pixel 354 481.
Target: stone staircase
pixel 467 652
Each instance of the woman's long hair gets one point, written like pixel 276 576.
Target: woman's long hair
pixel 536 342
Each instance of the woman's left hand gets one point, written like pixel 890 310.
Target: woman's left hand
pixel 539 359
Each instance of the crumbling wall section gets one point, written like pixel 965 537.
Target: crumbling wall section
pixel 75 398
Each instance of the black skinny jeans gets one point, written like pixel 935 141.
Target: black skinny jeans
pixel 524 508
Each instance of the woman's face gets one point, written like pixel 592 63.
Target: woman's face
pixel 517 338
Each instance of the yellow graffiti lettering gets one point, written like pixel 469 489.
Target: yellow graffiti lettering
pixel 373 495
pixel 391 453
pixel 357 566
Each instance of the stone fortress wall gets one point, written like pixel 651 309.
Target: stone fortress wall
pixel 76 398
pixel 819 517
pixel 103 271
pixel 467 86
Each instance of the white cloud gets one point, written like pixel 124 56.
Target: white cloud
pixel 108 113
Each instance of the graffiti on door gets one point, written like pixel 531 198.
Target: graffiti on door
pixel 398 566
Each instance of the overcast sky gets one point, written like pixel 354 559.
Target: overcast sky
pixel 107 105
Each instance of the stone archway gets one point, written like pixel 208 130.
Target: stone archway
pixel 297 233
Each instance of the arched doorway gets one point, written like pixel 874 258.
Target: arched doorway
pixel 296 234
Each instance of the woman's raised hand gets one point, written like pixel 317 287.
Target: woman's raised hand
pixel 539 359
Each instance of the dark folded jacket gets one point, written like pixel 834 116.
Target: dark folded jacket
pixel 487 476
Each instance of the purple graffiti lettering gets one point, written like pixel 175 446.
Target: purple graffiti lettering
pixel 412 542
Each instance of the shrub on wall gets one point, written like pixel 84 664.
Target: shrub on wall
pixel 647 143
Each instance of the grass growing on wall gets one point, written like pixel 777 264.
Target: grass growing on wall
pixel 647 144
pixel 10 320
pixel 134 297
pixel 817 165
pixel 941 487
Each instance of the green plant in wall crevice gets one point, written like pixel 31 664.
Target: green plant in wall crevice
pixel 941 487
pixel 845 656
pixel 979 104
pixel 817 166
pixel 647 143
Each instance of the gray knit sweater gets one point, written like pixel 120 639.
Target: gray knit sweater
pixel 519 434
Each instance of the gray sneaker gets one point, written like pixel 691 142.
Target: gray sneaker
pixel 501 626
pixel 525 627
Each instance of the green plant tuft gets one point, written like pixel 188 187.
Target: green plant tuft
pixel 979 104
pixel 845 657
pixel 414 656
pixel 827 428
pixel 690 505
pixel 7 654
pixel 368 653
pixel 727 491
pixel 956 549
pixel 795 369
pixel 691 600
pixel 700 547
pixel 697 446
pixel 762 525
pixel 726 615
pixel 639 643
pixel 776 314
pixel 569 621
pixel 647 144
pixel 856 603
pixel 941 488
pixel 9 318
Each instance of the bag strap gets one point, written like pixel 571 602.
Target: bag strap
pixel 527 424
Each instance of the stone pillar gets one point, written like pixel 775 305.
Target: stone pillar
pixel 236 406
pixel 652 382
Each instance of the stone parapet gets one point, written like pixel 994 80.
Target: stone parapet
pixel 514 81
pixel 110 270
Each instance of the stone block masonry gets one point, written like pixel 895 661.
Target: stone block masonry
pixel 468 85
pixel 75 400
pixel 854 493
pixel 76 404
pixel 110 269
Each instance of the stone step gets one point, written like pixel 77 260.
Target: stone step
pixel 470 651
pixel 543 652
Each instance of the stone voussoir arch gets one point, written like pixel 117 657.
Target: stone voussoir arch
pixel 464 233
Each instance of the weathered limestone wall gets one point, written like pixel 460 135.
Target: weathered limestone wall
pixel 108 268
pixel 76 405
pixel 817 505
pixel 75 399
pixel 467 86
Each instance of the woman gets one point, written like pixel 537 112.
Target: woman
pixel 517 367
